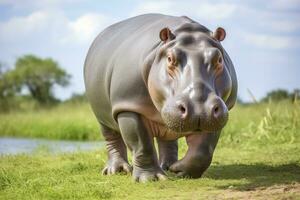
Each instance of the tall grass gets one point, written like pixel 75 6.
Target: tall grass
pixel 272 123
pixel 71 121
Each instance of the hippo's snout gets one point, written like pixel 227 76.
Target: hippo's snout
pixel 188 115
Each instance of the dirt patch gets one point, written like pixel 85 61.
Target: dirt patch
pixel 291 191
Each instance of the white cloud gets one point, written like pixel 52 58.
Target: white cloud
pixel 86 27
pixel 37 4
pixel 53 26
pixel 271 41
pixel 268 19
pixel 153 7
pixel 202 9
pixel 285 5
pixel 216 11
pixel 285 25
pixel 29 27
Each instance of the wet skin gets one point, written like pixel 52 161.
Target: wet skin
pixel 164 77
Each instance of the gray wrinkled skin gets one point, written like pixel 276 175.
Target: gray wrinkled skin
pixel 160 76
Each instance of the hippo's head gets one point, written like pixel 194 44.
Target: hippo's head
pixel 189 81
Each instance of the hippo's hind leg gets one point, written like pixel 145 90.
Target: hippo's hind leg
pixel 117 152
pixel 168 152
pixel 140 142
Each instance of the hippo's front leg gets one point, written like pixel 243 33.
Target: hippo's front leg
pixel 140 142
pixel 199 155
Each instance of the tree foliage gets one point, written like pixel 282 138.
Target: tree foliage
pixel 281 94
pixel 7 86
pixel 277 95
pixel 36 75
pixel 39 76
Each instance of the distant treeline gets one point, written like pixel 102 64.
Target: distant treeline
pixel 274 96
pixel 30 83
pixel 281 94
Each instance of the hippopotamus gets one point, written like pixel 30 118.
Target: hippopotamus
pixel 164 77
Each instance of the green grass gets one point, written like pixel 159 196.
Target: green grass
pixel 271 172
pixel 70 121
pixel 258 157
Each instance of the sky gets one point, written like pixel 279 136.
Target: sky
pixel 263 37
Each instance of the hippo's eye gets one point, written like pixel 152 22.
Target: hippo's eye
pixel 171 59
pixel 171 65
pixel 220 60
pixel 219 65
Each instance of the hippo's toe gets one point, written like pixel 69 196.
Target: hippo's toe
pixel 191 168
pixel 165 165
pixel 117 166
pixel 146 175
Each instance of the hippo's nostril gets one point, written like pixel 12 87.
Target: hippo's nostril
pixel 216 111
pixel 183 110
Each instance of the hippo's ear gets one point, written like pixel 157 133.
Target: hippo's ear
pixel 219 34
pixel 165 34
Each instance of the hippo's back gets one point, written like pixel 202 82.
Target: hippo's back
pixel 114 64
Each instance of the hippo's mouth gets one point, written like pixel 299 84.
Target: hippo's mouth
pixel 197 130
pixel 190 127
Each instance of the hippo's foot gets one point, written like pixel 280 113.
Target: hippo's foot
pixel 150 174
pixel 116 165
pixel 191 167
pixel 166 164
pixel 117 153
pixel 180 168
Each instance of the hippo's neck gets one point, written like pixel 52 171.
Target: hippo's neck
pixel 159 130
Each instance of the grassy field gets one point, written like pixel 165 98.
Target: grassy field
pixel 258 157
pixel 69 121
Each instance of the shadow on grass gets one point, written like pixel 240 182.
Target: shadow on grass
pixel 255 175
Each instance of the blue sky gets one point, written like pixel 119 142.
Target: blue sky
pixel 263 37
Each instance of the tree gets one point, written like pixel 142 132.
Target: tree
pixel 39 76
pixel 277 95
pixel 7 88
pixel 2 82
pixel 295 95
